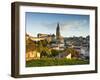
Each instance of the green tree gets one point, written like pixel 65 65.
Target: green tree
pixel 74 52
pixel 43 49
pixel 30 45
pixel 54 53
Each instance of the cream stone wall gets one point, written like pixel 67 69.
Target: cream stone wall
pixel 32 55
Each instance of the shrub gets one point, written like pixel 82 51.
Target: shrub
pixel 55 62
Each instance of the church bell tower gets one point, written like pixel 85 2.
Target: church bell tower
pixel 58 32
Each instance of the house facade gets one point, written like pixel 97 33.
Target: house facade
pixel 32 55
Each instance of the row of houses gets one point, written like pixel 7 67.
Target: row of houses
pixel 83 51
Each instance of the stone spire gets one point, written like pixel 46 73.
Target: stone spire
pixel 58 32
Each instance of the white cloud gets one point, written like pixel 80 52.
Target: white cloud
pixel 75 28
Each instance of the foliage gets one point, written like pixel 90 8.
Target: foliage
pixel 43 49
pixel 55 62
pixel 54 52
pixel 30 45
pixel 74 52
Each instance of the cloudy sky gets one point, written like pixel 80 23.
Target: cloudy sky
pixel 70 24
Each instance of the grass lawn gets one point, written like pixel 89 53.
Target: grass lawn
pixel 54 62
